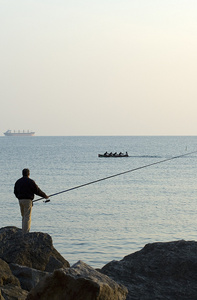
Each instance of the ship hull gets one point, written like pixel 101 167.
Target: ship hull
pixel 20 134
pixel 8 133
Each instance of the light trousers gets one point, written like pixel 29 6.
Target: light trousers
pixel 25 207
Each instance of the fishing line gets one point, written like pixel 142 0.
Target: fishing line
pixel 118 174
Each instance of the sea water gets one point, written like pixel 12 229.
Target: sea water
pixel 112 218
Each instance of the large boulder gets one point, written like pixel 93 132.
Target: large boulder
pixel 28 277
pixel 158 271
pixel 80 282
pixel 34 250
pixel 9 284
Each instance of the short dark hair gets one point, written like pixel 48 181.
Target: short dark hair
pixel 25 172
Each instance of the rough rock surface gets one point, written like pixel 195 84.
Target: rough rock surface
pixel 158 271
pixel 34 250
pixel 28 277
pixel 9 284
pixel 80 282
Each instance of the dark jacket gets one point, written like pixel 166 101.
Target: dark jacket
pixel 25 188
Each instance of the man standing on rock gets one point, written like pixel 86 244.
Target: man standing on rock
pixel 24 190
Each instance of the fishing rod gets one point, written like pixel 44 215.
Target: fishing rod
pixel 118 174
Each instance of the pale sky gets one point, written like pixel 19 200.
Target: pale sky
pixel 99 67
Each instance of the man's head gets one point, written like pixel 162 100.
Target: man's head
pixel 26 172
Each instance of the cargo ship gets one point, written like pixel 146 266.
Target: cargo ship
pixel 19 133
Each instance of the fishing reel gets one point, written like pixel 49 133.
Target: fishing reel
pixel 47 200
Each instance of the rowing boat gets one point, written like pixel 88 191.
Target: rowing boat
pixel 113 155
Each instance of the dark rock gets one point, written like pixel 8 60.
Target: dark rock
pixel 28 277
pixel 158 271
pixel 12 293
pixel 6 276
pixel 9 285
pixel 34 250
pixel 80 282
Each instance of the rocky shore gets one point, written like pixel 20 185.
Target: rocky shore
pixel 31 268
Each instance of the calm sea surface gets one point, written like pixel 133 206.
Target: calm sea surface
pixel 107 220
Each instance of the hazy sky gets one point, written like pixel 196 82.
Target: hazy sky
pixel 99 67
